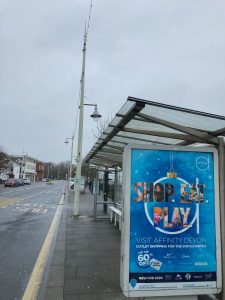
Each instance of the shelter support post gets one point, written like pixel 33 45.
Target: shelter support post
pixel 95 192
pixel 221 149
pixel 95 206
pixel 106 188
pixel 115 185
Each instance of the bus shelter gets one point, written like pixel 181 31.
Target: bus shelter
pixel 141 139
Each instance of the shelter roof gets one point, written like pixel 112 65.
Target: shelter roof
pixel 151 123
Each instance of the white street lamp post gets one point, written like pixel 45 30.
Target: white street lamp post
pixel 80 132
pixel 71 158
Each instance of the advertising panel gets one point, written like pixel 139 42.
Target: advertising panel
pixel 171 228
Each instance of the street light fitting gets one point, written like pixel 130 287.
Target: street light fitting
pixel 67 140
pixel 96 114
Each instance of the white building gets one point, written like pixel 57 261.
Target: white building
pixel 30 170
pixel 13 171
pixel 27 166
pixel 16 170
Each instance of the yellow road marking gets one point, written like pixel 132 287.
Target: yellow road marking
pixel 5 202
pixel 33 287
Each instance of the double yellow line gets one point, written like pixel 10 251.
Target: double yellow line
pixel 34 284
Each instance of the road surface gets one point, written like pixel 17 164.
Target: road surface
pixel 26 214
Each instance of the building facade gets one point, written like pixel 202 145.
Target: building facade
pixel 13 171
pixel 27 166
pixel 39 170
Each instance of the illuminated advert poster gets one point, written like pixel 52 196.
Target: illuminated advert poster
pixel 172 219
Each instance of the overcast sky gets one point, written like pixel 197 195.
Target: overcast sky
pixel 170 51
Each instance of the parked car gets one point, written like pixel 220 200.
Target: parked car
pixel 26 181
pixel 12 182
pixel 21 182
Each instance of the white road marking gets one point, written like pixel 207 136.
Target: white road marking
pixel 33 207
pixel 20 209
pixel 26 204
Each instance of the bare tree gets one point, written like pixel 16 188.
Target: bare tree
pixel 4 159
pixel 102 124
pixel 56 170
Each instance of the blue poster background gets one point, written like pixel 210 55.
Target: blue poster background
pixel 190 250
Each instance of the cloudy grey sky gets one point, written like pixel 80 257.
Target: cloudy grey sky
pixel 170 51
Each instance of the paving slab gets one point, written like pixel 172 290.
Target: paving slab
pixel 54 293
pixel 56 277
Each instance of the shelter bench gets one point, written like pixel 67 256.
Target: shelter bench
pixel 115 214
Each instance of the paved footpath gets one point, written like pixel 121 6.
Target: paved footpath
pixel 85 263
pixel 86 260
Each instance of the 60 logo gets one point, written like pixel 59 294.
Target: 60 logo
pixel 145 259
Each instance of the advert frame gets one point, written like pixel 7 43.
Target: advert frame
pixel 125 234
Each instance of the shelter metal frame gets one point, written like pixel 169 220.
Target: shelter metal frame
pixel 151 123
